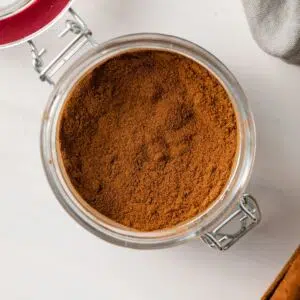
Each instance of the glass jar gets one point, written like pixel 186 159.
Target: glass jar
pixel 232 205
pixel 233 213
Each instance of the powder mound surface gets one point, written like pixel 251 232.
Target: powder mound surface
pixel 148 139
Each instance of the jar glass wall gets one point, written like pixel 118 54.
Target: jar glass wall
pixel 99 224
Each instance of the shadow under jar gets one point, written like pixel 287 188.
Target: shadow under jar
pixel 229 217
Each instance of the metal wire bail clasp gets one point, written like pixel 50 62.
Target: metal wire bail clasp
pixel 247 214
pixel 82 36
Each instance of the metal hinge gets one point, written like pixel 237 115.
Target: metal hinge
pixel 82 36
pixel 247 215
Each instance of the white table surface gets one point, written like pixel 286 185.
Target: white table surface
pixel 44 254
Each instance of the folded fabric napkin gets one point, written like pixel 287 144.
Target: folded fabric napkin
pixel 275 26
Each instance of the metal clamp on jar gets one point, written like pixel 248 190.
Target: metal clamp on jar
pixel 233 213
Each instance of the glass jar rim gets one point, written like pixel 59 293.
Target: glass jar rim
pixel 13 8
pixel 111 231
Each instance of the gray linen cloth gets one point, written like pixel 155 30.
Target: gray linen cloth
pixel 275 26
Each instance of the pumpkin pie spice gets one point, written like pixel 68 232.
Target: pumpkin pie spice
pixel 148 139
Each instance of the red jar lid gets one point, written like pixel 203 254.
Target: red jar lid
pixel 36 15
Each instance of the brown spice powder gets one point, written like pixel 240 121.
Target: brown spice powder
pixel 148 139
